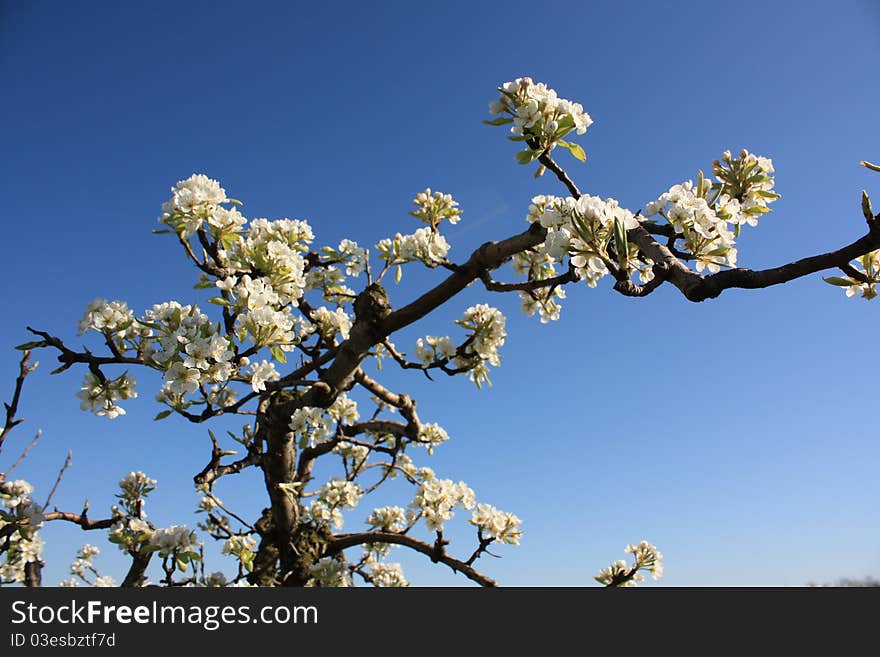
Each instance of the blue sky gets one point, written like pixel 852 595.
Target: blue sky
pixel 738 435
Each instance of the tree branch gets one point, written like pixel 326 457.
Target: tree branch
pixel 699 288
pixel 344 541
pixel 24 368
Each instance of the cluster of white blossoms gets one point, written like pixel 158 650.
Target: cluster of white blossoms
pixel 709 215
pixel 177 540
pixel 242 548
pixel 335 495
pixel 536 265
pixel 646 557
pixel 436 499
pixel 331 322
pixel 260 373
pixel 431 435
pixel 329 572
pixel 348 253
pixel 100 397
pixel 198 200
pixel 432 349
pixel 868 266
pixel 113 318
pixel 424 245
pixel 387 519
pixel 487 334
pixel 189 347
pixel 387 575
pixel 83 567
pixel 537 113
pixel 267 327
pixel 344 410
pixel 586 229
pixel 273 249
pixel 309 426
pixel 434 207
pixel 354 454
pixel 24 544
pixel 135 485
pixel 500 525
pixel 128 533
pixel 130 529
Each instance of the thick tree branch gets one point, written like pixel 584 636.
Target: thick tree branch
pixel 489 256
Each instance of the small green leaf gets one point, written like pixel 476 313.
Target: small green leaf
pixel 220 301
pixel 278 354
pixel 621 243
pixel 540 171
pixel 501 120
pixel 162 415
pixel 527 155
pixel 767 194
pixel 578 152
pixel 700 191
pixel 837 280
pixel 160 231
pixel 757 209
pixel 398 274
pixel 867 210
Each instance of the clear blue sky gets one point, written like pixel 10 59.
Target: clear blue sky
pixel 738 435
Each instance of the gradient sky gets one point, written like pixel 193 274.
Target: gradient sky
pixel 738 435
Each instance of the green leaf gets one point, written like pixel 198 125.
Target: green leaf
pixel 540 171
pixel 757 209
pixel 501 120
pixel 867 210
pixel 577 152
pixel 837 280
pixel 700 192
pixel 278 354
pixel 162 415
pixel 621 243
pixel 398 274
pixel 566 125
pixel 767 194
pixel 160 231
pixel 872 167
pixel 517 138
pixel 527 155
pixel 220 301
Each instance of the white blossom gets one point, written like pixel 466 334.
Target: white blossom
pixel 500 525
pixel 329 572
pixel 387 575
pixel 435 500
